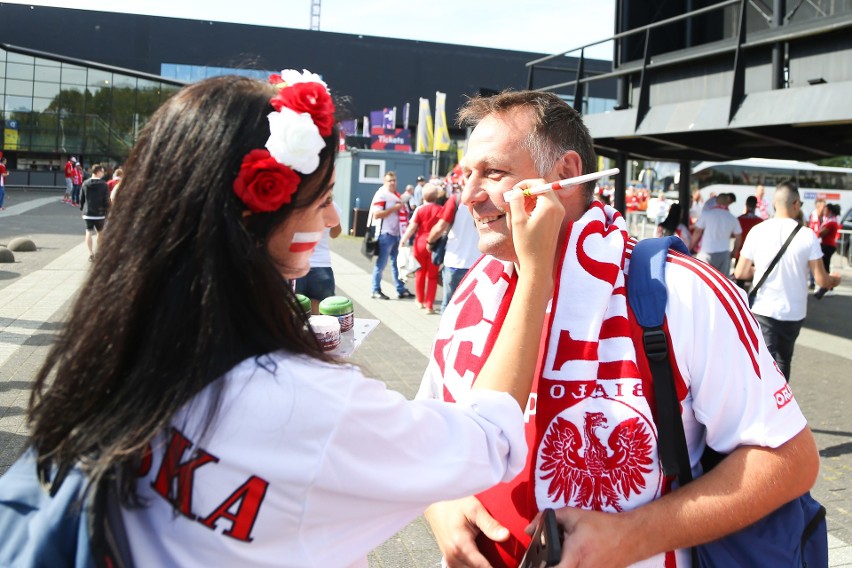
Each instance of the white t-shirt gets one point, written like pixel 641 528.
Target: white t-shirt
pixel 784 295
pixel 384 199
pixel 735 393
pixel 718 224
pixel 462 240
pixel 310 464
pixel 321 257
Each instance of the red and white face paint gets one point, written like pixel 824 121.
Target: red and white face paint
pixel 293 243
pixel 303 242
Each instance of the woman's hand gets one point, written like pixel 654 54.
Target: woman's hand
pixel 535 223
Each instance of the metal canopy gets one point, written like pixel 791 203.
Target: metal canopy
pixel 781 92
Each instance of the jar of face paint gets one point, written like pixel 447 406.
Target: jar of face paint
pixel 327 330
pixel 341 308
pixel 305 303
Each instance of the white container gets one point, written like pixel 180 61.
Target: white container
pixel 327 330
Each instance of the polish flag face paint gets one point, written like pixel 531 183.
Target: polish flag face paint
pixel 303 242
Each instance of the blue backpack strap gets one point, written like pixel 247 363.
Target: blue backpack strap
pixel 647 295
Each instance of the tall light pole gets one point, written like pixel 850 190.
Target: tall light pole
pixel 315 15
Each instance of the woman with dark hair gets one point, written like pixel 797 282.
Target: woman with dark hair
pixel 188 375
pixel 672 225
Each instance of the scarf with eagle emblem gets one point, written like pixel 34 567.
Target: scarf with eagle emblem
pixel 590 429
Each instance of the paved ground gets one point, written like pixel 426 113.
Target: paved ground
pixel 36 290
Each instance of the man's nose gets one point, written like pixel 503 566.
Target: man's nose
pixel 473 191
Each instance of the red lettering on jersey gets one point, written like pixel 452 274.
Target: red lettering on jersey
pixel 248 498
pixel 172 468
pixel 147 460
pixel 783 396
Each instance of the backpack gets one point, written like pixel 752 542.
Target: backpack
pixel 58 522
pixel 795 535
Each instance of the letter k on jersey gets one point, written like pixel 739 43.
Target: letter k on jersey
pixel 175 480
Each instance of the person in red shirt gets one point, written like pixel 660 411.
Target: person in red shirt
pixel 747 220
pixel 116 178
pixel 77 181
pixel 828 232
pixel 425 217
pixel 3 173
pixel 70 167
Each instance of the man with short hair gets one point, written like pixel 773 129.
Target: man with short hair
pixel 593 444
pixel 389 216
pixel 714 230
pixel 94 202
pixel 417 199
pixel 781 302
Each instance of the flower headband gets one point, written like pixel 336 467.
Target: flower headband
pixel 303 116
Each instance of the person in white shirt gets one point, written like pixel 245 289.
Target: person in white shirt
pixel 714 230
pixel 780 304
pixel 197 385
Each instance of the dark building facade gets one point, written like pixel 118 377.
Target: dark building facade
pixel 371 72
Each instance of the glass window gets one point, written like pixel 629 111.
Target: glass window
pixel 48 90
pixel 41 62
pixel 122 81
pixel 73 75
pixel 99 79
pixel 42 105
pixel 18 58
pixel 147 98
pixel 2 55
pixel 19 71
pixel 19 104
pixel 18 87
pixel 48 74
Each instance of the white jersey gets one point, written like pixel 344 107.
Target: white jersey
pixel 735 394
pixel 719 226
pixel 310 464
pixel 784 295
pixel 384 199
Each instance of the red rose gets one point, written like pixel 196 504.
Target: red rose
pixel 275 79
pixel 263 184
pixel 311 98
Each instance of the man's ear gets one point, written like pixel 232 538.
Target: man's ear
pixel 569 165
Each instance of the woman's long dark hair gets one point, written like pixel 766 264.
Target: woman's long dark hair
pixel 672 220
pixel 181 291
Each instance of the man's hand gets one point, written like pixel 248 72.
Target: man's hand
pixel 592 539
pixel 456 524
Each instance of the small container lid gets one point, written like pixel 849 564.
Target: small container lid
pixel 305 302
pixel 325 324
pixel 335 306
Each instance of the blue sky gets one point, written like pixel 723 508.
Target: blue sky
pixel 540 26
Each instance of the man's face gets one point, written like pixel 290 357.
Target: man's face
pixel 759 192
pixel 390 182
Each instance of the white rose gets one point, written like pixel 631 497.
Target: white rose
pixel 294 140
pixel 291 77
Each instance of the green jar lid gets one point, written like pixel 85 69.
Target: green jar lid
pixel 335 306
pixel 305 302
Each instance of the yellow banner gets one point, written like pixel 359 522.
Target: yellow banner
pixel 424 128
pixel 10 139
pixel 442 133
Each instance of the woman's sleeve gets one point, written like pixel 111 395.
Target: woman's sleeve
pixel 387 449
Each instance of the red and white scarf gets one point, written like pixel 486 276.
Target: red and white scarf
pixel 589 426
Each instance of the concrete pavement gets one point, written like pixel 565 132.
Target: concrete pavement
pixel 36 291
